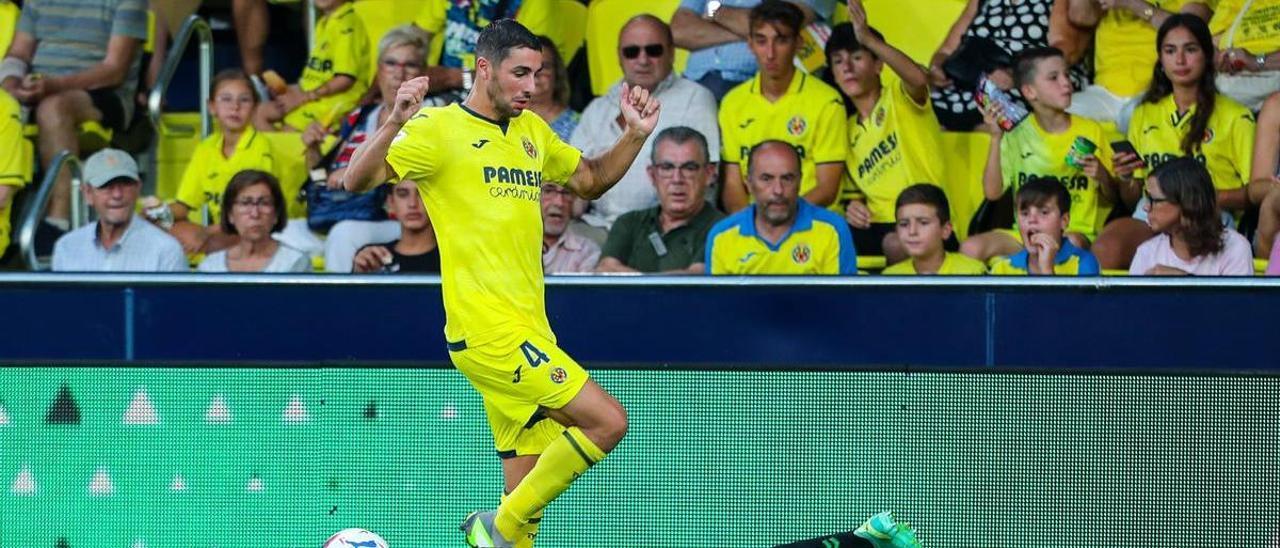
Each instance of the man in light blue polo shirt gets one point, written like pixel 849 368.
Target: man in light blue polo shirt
pixel 715 31
pixel 120 241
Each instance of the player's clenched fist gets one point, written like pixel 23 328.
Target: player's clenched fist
pixel 639 109
pixel 409 100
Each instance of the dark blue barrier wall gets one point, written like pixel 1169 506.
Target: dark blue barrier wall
pixel 1102 324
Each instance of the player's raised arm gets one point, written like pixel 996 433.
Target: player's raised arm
pixel 369 165
pixel 595 176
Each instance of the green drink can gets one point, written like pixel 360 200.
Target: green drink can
pixel 1081 148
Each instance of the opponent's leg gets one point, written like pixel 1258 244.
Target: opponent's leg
pixel 599 422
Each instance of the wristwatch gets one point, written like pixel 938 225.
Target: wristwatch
pixel 1148 12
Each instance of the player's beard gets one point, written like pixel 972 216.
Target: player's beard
pixel 501 106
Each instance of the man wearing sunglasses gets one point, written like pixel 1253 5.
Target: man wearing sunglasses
pixel 646 53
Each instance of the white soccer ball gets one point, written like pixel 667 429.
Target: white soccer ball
pixel 355 538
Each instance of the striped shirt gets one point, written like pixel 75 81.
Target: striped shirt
pixel 72 36
pixel 142 248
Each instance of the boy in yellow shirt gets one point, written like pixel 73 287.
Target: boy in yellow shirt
pixel 1048 144
pixel 923 227
pixel 336 76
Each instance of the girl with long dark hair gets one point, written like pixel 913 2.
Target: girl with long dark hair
pixel 1181 115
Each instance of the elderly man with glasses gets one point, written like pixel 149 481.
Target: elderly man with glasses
pixel 671 237
pixel 645 51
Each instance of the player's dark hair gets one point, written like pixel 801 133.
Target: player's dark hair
pixel 776 12
pixel 926 194
pixel 246 179
pixel 1027 63
pixel 1038 191
pixel 1206 89
pixel 843 39
pixel 231 75
pixel 1187 184
pixel 500 37
pixel 680 135
pixel 751 156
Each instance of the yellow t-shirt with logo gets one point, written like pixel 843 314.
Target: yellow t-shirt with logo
pixel 209 172
pixel 893 148
pixel 1030 151
pixel 15 164
pixel 954 264
pixel 1156 131
pixel 1259 30
pixel 819 242
pixel 1125 48
pixel 481 181
pixel 809 116
pixel 341 48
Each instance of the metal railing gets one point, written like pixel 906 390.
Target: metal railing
pixel 34 212
pixel 155 101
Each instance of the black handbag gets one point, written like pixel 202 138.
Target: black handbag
pixel 975 57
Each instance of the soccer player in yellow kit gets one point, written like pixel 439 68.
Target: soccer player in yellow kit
pixel 479 166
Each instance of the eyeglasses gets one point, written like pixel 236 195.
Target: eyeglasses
pixel 688 169
pixel 652 50
pixel 407 65
pixel 260 203
pixel 1152 199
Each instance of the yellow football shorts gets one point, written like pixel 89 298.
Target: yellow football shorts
pixel 516 376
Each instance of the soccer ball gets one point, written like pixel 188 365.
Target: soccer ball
pixel 355 538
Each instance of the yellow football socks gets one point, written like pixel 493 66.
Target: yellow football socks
pixel 530 532
pixel 566 458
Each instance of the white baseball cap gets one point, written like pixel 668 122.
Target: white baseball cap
pixel 110 164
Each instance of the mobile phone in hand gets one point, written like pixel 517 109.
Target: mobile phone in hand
pixel 1125 146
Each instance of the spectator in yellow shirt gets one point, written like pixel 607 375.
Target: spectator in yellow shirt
pixel 336 76
pixel 236 147
pixel 923 228
pixel 1123 56
pixel 786 104
pixel 893 133
pixel 1047 145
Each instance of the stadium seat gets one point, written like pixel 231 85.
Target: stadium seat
pixel 289 156
pixel 871 262
pixel 916 28
pixel 572 16
pixel 1260 266
pixel 605 19
pixel 380 16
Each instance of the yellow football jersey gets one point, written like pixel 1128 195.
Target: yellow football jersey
pixel 341 47
pixel 1156 131
pixel 16 163
pixel 896 146
pixel 1030 151
pixel 1259 30
pixel 1070 261
pixel 1125 48
pixel 810 116
pixel 819 243
pixel 955 264
pixel 481 180
pixel 207 175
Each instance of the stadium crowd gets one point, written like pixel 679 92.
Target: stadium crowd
pixel 1126 136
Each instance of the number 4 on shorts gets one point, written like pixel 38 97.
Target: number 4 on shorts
pixel 533 355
